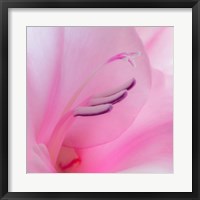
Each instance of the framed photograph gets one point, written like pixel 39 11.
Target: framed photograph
pixel 99 99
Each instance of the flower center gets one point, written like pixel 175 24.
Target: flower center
pixel 96 105
pixel 103 104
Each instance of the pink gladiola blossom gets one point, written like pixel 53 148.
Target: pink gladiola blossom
pixel 99 99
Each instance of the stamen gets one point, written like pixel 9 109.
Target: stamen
pixel 92 110
pixel 120 56
pixel 131 85
pixel 110 99
pixel 126 86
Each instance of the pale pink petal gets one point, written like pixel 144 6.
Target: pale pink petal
pixel 61 64
pixel 39 161
pixel 44 62
pixel 149 141
pixel 158 42
pixel 38 158
pixel 96 130
pixel 61 59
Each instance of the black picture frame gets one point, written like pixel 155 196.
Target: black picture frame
pixel 4 126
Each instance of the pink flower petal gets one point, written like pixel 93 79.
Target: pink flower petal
pixel 96 130
pixel 44 62
pixel 149 141
pixel 66 68
pixel 159 41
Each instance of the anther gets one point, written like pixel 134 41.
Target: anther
pixel 92 110
pixel 115 98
